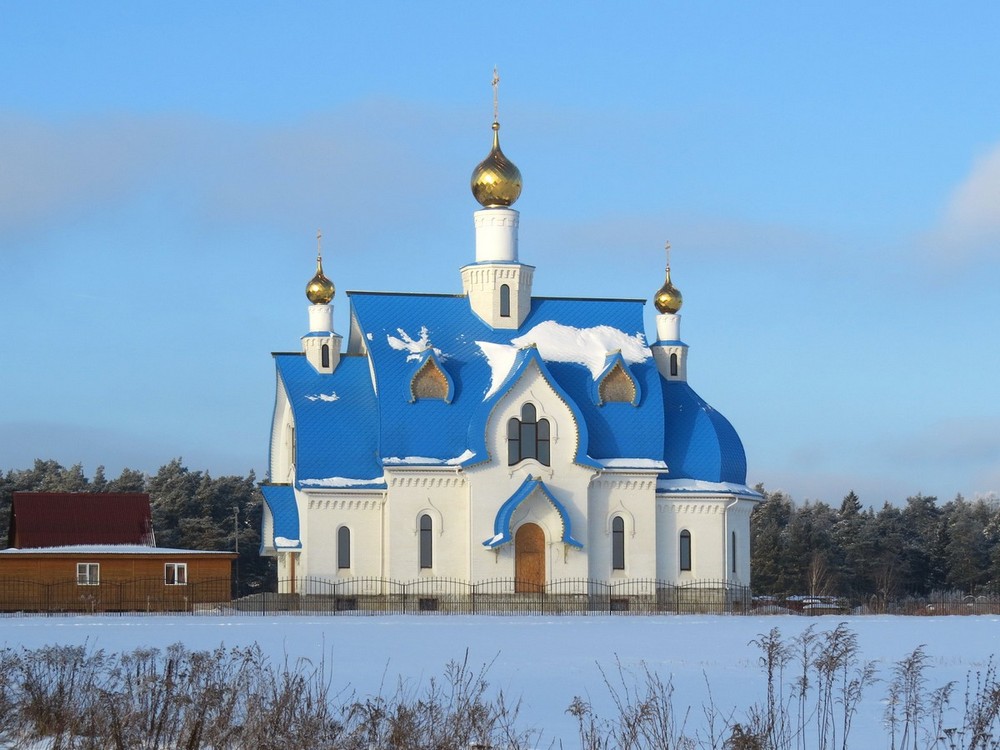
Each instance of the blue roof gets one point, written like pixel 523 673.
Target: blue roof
pixel 699 442
pixel 344 430
pixel 280 499
pixel 336 420
pixel 501 524
pixel 449 326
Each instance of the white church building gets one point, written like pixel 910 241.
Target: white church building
pixel 494 434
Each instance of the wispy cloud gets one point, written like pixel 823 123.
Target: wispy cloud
pixel 969 229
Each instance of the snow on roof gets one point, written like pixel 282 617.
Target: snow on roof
pixel 425 460
pixel 632 463
pixel 342 482
pixel 584 346
pixel 280 541
pixel 415 347
pixel 561 343
pixel 698 485
pixel 332 396
pixel 106 549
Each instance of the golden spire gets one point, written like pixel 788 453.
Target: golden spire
pixel 669 298
pixel 496 181
pixel 320 290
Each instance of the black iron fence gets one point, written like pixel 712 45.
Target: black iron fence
pixel 502 596
pixel 129 595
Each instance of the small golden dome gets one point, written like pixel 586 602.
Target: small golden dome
pixel 496 181
pixel 669 298
pixel 320 290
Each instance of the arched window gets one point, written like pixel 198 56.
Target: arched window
pixel 673 363
pixel 528 437
pixel 325 355
pixel 685 550
pixel 733 551
pixel 426 542
pixel 343 547
pixel 617 543
pixel 504 301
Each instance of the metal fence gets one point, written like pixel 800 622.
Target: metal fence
pixel 502 596
pixel 129 595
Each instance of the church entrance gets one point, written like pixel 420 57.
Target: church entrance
pixel 529 559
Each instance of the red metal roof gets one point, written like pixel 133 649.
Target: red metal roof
pixel 55 519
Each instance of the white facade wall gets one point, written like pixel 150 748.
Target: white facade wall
pixel 631 497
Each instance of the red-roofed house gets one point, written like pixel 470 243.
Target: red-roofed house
pixel 95 552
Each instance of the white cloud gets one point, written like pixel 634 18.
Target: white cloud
pixel 970 227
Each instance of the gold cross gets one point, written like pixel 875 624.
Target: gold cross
pixel 667 248
pixel 496 87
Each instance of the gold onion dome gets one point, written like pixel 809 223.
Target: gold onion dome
pixel 320 289
pixel 496 181
pixel 669 298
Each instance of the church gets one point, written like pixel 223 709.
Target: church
pixel 496 435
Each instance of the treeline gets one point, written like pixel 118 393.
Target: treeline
pixel 857 552
pixel 191 509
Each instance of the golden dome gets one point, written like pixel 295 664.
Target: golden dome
pixel 669 298
pixel 496 181
pixel 320 290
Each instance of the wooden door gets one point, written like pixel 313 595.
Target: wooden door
pixel 529 559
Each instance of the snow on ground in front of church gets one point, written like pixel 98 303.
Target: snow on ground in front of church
pixel 548 660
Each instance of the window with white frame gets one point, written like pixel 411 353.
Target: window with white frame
pixel 88 574
pixel 175 574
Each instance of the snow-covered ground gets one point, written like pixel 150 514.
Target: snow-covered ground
pixel 548 660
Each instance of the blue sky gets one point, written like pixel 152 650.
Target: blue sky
pixel 829 178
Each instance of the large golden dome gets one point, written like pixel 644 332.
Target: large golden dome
pixel 669 298
pixel 496 181
pixel 320 290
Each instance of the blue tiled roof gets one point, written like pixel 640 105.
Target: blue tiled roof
pixel 344 430
pixel 453 329
pixel 280 501
pixel 336 419
pixel 501 524
pixel 699 442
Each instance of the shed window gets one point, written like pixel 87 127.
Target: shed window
pixel 88 574
pixel 617 543
pixel 528 437
pixel 175 574
pixel 426 542
pixel 685 550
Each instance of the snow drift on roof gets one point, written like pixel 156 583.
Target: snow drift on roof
pixel 561 343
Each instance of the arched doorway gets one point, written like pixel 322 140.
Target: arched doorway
pixel 529 559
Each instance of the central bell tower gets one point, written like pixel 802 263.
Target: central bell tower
pixel 498 285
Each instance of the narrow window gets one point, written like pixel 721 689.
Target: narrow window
pixel 426 542
pixel 325 355
pixel 343 548
pixel 504 301
pixel 513 441
pixel 733 552
pixel 88 574
pixel 542 437
pixel 685 550
pixel 673 364
pixel 617 543
pixel 175 574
